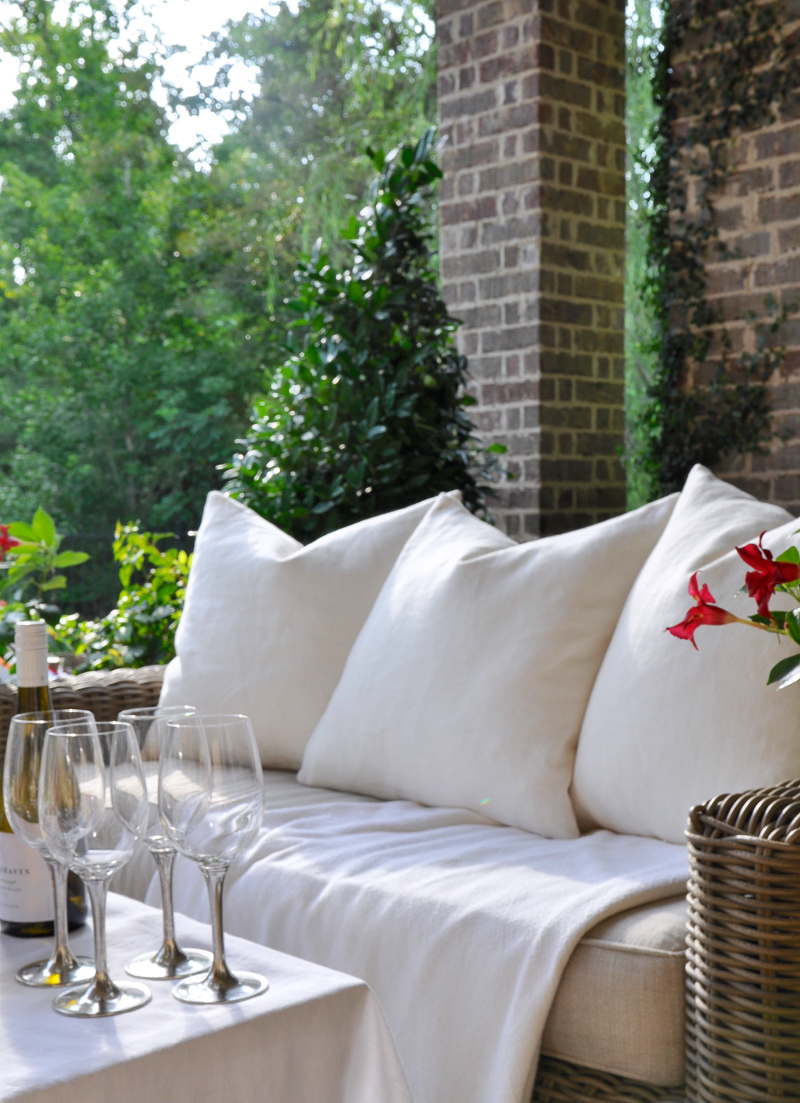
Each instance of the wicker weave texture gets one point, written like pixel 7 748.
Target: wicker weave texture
pixel 104 692
pixel 743 948
pixel 562 1082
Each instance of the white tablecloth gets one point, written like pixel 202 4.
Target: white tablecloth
pixel 315 1035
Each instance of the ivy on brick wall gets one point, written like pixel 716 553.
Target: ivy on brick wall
pixel 720 69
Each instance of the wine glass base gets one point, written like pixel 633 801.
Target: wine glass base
pixel 46 974
pixel 88 1003
pixel 187 963
pixel 243 986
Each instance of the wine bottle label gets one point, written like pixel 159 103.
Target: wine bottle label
pixel 26 893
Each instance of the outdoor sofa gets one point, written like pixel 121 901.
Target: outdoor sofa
pixel 687 726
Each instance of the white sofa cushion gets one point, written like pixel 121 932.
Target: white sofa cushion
pixel 268 623
pixel 667 726
pixel 467 684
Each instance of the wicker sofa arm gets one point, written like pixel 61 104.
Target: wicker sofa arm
pixel 103 692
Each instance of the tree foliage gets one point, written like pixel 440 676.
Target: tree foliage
pixel 127 367
pixel 141 629
pixel 367 413
pixel 642 335
pixel 141 300
pixel 334 76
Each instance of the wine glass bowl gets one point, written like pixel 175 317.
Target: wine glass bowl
pixel 170 961
pixel 150 727
pixel 92 811
pixel 26 737
pixel 211 800
pixel 211 791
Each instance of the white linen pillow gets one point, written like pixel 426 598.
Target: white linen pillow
pixel 668 727
pixel 268 623
pixel 467 684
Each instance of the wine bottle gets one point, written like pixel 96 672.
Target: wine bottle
pixel 26 894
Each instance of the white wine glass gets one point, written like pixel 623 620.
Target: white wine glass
pixel 26 734
pixel 170 961
pixel 211 799
pixel 93 809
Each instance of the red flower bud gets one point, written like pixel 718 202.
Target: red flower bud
pixel 706 611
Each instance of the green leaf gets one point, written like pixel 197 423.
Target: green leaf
pixel 20 531
pixel 49 613
pixel 785 673
pixel 497 448
pixel 793 625
pixel 58 582
pixel 70 558
pixel 27 553
pixel 791 555
pixel 44 528
pixel 355 292
pixel 21 570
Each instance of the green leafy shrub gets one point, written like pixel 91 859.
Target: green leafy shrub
pixel 141 630
pixel 367 413
pixel 31 567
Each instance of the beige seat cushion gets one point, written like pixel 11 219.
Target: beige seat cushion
pixel 620 1004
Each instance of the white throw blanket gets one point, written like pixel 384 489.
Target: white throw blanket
pixel 461 928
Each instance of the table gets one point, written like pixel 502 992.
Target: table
pixel 315 1035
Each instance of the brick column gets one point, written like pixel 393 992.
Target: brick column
pixel 531 97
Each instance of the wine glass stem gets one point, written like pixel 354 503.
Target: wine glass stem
pixel 61 960
pixel 215 877
pixel 59 874
pixel 165 860
pixel 98 889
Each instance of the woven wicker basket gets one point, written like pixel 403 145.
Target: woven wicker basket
pixel 562 1082
pixel 743 948
pixel 103 692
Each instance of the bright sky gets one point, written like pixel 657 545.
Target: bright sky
pixel 183 23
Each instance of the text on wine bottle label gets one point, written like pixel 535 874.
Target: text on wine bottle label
pixel 26 894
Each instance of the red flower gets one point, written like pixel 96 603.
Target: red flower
pixel 767 573
pixel 706 611
pixel 6 542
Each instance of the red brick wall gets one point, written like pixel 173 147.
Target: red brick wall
pixel 759 216
pixel 532 244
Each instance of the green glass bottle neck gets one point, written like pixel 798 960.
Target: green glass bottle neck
pixel 33 699
pixel 29 699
